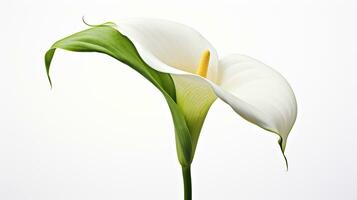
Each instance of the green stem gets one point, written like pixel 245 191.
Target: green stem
pixel 186 172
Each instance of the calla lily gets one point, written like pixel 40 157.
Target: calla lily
pixel 186 68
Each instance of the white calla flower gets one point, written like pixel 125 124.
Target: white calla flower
pixel 254 90
pixel 186 68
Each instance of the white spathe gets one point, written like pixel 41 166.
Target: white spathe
pixel 254 90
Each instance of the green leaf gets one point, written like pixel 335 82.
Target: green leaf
pixel 108 40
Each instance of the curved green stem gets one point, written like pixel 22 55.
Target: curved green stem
pixel 186 172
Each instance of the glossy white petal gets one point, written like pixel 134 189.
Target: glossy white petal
pixel 169 46
pixel 257 93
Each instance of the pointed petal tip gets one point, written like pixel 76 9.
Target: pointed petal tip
pixel 282 145
pixel 286 162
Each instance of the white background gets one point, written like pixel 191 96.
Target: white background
pixel 104 132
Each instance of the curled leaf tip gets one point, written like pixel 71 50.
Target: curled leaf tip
pixel 49 79
pixel 111 24
pixel 84 21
